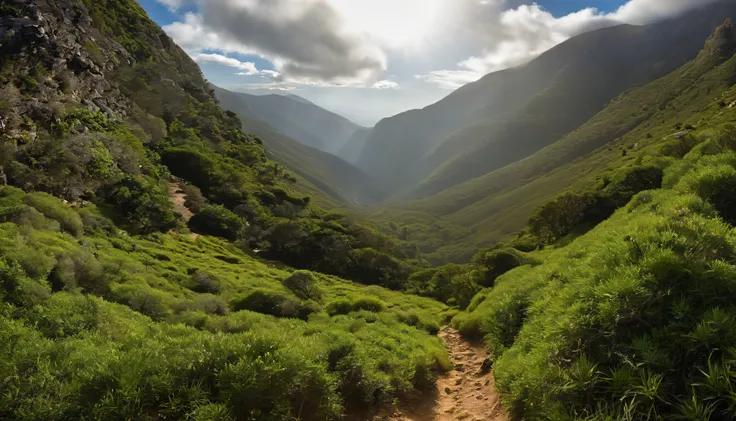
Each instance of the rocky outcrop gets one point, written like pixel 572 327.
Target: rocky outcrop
pixel 723 43
pixel 54 59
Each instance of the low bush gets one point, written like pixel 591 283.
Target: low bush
pixel 275 304
pixel 304 285
pixel 218 221
pixel 346 306
pixel 204 282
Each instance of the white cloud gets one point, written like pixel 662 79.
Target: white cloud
pixel 305 39
pixel 515 36
pixel 173 5
pixel 385 84
pixel 450 79
pixel 248 68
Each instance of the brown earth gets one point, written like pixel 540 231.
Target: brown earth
pixel 465 393
pixel 178 198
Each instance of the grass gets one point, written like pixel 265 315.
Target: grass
pixel 107 325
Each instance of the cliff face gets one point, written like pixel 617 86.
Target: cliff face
pixel 46 50
pixel 102 55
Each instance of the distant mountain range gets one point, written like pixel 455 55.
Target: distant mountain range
pixel 302 120
pixel 325 176
pixel 488 154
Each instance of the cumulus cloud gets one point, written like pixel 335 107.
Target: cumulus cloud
pixel 429 46
pixel 305 39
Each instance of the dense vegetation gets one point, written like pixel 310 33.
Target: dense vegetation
pixel 615 302
pixel 174 127
pixel 110 308
pixel 96 324
pixel 632 320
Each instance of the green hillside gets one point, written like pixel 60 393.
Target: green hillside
pixel 632 320
pixel 111 307
pixel 612 297
pixel 499 204
pixel 598 67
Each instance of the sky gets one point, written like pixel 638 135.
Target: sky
pixel 371 59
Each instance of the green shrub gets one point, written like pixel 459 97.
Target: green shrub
pixel 346 306
pixel 369 304
pixel 217 221
pixel 79 269
pixel 304 285
pixel 274 304
pixel 497 262
pixel 65 315
pixel 210 304
pixel 143 204
pixel 341 306
pixel 717 185
pixel 194 197
pixel 212 412
pixel 55 209
pixel 204 282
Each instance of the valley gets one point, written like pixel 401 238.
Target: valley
pixel 554 241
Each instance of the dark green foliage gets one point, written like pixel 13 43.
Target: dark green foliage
pixel 274 304
pixel 194 198
pixel 583 210
pixel 496 262
pixel 142 204
pixel 204 283
pixel 559 217
pixel 346 306
pixel 304 285
pixel 218 221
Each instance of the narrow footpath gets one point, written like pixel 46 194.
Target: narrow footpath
pixel 466 393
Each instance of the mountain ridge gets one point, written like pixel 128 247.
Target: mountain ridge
pixel 323 174
pixel 302 120
pixel 422 138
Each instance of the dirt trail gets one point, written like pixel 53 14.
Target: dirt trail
pixel 466 393
pixel 178 198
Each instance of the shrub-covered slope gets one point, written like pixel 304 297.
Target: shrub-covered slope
pixel 637 123
pixel 99 104
pixel 96 324
pixel 633 320
pixel 110 308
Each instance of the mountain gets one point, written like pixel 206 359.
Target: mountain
pixel 498 204
pixel 301 120
pixel 513 113
pixel 354 146
pixel 627 305
pixel 156 264
pixel 324 176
